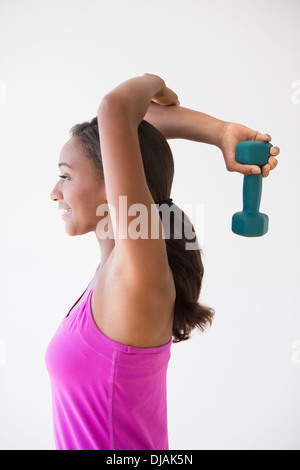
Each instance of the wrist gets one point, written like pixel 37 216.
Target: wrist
pixel 155 78
pixel 222 129
pixel 156 83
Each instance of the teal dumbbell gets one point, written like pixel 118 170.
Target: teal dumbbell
pixel 250 222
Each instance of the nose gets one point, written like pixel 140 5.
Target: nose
pixel 55 194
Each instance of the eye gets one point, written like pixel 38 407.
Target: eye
pixel 64 177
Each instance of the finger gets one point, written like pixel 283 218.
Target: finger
pixel 264 137
pixel 271 165
pixel 273 162
pixel 266 170
pixel 267 137
pixel 274 150
pixel 176 100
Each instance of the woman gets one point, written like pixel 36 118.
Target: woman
pixel 108 359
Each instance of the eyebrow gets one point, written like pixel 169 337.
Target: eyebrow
pixel 64 164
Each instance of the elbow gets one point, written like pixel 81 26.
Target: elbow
pixel 112 105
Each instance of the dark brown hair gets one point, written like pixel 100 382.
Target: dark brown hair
pixel 186 265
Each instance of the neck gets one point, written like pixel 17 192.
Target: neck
pixel 106 247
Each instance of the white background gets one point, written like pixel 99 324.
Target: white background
pixel 236 386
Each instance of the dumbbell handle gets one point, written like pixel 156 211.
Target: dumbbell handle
pixel 252 188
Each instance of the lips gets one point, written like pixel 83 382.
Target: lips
pixel 65 211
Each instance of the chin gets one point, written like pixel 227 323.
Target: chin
pixel 72 230
pixel 76 231
pixel 71 233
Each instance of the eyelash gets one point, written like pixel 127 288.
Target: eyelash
pixel 64 177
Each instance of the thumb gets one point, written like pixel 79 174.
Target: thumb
pixel 243 168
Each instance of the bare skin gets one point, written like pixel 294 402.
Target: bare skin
pixel 83 191
pixel 131 303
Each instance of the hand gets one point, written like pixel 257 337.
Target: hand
pixel 235 133
pixel 165 97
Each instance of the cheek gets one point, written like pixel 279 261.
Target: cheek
pixel 75 195
pixel 85 203
pixel 85 197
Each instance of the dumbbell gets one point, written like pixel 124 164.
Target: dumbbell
pixel 250 222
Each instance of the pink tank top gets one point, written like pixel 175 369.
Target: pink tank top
pixel 105 395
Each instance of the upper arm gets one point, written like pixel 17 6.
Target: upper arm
pixel 124 176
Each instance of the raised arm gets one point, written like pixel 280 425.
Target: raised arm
pixel 176 122
pixel 119 114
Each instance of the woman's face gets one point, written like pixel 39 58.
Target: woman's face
pixel 81 189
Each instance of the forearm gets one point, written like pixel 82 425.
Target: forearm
pixel 136 94
pixel 176 122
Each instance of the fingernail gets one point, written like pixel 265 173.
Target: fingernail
pixel 255 170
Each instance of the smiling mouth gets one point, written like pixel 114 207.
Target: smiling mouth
pixel 66 212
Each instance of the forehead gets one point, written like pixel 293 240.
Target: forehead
pixel 72 154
